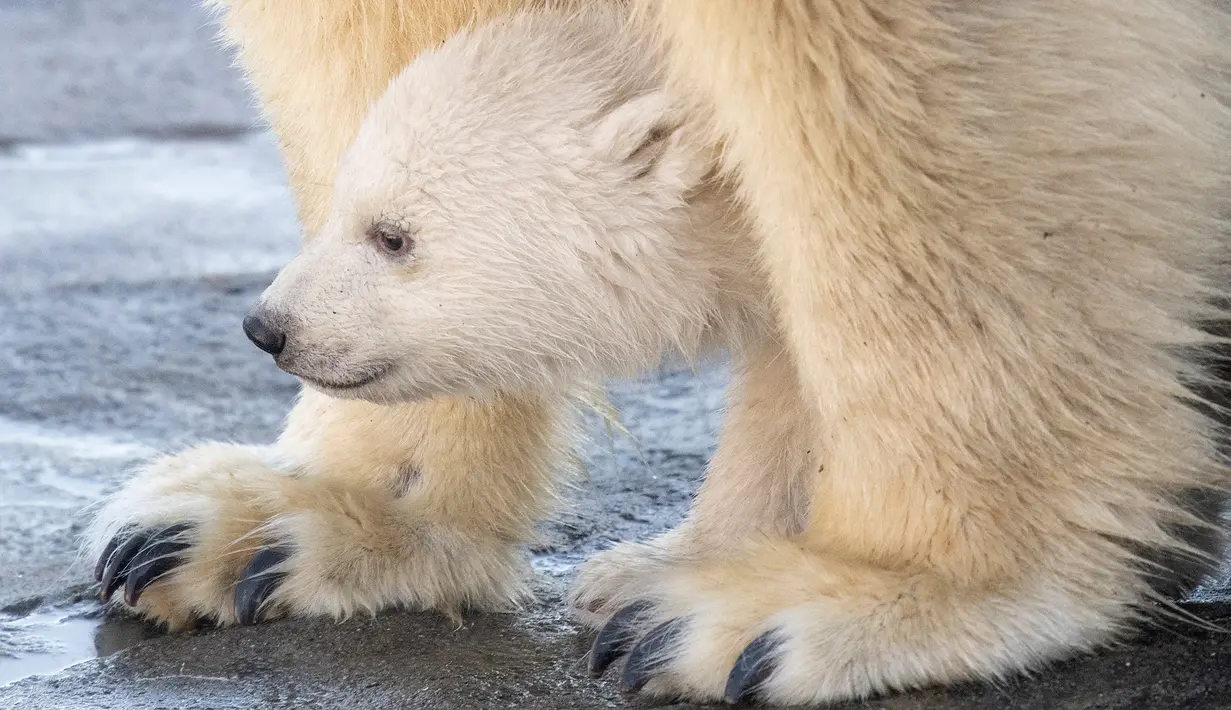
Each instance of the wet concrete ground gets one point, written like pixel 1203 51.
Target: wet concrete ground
pixel 125 266
pixel 91 68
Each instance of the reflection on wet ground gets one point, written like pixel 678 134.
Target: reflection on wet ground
pixel 47 640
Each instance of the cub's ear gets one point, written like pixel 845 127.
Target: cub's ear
pixel 630 126
pixel 645 133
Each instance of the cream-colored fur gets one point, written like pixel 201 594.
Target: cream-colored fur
pixel 316 73
pixel 991 228
pixel 556 219
pixel 991 231
pixel 381 506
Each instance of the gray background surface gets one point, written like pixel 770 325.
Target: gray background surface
pixel 142 209
pixel 78 69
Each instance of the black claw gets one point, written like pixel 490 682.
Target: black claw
pixel 752 668
pixel 101 565
pixel 159 556
pixel 615 636
pixel 647 657
pixel 257 582
pixel 116 568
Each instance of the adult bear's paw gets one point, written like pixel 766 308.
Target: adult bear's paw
pixel 786 625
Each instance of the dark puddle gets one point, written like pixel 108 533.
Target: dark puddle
pixel 41 640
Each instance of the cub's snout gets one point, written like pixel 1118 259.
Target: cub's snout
pixel 264 332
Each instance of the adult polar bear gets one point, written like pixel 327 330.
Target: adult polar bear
pixel 993 231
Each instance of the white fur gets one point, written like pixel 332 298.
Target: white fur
pixel 563 227
pixel 964 285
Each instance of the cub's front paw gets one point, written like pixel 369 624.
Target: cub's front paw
pixel 136 558
pixel 178 536
pixel 221 534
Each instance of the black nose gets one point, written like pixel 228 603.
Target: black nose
pixel 264 337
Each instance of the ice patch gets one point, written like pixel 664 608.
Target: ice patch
pixel 83 446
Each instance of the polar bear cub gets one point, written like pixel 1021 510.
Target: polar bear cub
pixel 516 219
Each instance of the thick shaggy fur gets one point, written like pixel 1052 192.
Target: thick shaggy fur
pixel 992 233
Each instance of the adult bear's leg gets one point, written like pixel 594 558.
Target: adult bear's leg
pixel 995 238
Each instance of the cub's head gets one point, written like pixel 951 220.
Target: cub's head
pixel 513 214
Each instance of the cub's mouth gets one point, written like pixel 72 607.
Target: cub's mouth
pixel 366 377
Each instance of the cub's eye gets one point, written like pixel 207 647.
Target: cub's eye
pixel 392 242
pixel 391 239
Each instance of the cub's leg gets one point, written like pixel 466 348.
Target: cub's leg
pixel 356 508
pixel 364 505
